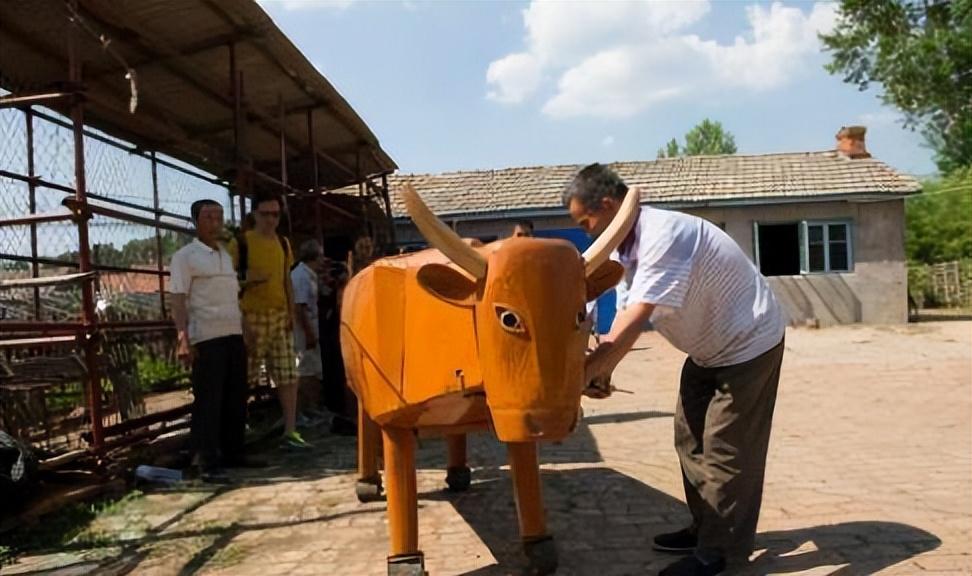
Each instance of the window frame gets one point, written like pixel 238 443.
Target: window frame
pixel 805 245
pixel 803 235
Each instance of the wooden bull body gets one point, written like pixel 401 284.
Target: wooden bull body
pixel 461 340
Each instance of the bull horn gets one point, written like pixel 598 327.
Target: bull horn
pixel 441 236
pixel 614 234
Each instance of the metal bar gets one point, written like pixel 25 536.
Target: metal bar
pixel 32 191
pixel 127 148
pixel 66 264
pixel 147 420
pixel 84 249
pixel 388 212
pixel 44 327
pixel 239 135
pixel 158 234
pixel 46 280
pixel 318 229
pixel 37 342
pixel 283 167
pixel 39 182
pixel 33 220
pixel 126 204
pixel 73 204
pixel 14 101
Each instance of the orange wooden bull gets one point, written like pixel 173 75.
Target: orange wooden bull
pixel 460 339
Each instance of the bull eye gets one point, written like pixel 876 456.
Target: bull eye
pixel 509 320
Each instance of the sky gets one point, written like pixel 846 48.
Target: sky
pixel 451 86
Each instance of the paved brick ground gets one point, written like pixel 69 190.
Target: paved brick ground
pixel 870 472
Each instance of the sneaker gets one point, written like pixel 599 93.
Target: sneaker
pixel 681 542
pixel 693 566
pixel 295 440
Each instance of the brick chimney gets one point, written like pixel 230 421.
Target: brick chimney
pixel 850 142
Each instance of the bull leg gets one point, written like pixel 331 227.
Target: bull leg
pixel 538 545
pixel 458 475
pixel 405 559
pixel 368 487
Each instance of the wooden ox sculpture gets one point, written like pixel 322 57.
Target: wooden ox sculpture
pixel 461 339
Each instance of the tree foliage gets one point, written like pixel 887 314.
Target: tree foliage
pixel 920 52
pixel 706 138
pixel 939 221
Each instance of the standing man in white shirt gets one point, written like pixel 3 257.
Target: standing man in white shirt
pixel 704 295
pixel 206 311
pixel 305 281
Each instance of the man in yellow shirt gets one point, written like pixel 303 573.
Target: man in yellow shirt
pixel 264 259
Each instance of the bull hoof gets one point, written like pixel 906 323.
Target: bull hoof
pixel 542 554
pixel 458 478
pixel 407 565
pixel 369 490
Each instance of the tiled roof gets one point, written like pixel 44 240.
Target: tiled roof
pixel 686 180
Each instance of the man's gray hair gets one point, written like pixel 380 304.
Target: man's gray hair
pixel 309 250
pixel 592 184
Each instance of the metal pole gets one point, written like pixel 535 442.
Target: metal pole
pixel 283 166
pixel 158 234
pixel 88 317
pixel 318 230
pixel 388 211
pixel 32 189
pixel 239 144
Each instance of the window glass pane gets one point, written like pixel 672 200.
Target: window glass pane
pixel 815 234
pixel 838 256
pixel 816 253
pixel 837 232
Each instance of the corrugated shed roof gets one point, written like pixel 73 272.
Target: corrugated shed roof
pixel 686 180
pixel 180 51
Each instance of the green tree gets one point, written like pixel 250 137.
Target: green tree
pixel 939 221
pixel 706 138
pixel 920 52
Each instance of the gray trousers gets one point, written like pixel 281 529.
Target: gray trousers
pixel 722 430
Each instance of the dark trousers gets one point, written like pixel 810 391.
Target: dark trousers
pixel 220 391
pixel 722 431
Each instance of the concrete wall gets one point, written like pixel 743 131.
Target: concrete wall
pixel 874 292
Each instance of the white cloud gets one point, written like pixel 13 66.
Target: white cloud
pixel 613 60
pixel 608 141
pixel 515 77
pixel 292 5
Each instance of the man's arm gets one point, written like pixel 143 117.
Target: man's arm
pixel 624 333
pixel 303 320
pixel 180 315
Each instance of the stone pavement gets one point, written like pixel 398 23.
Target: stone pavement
pixel 870 472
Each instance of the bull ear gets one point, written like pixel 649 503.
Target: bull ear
pixel 447 283
pixel 603 278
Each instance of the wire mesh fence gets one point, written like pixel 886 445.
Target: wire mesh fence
pixel 138 202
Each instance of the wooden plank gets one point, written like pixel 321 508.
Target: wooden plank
pixel 46 280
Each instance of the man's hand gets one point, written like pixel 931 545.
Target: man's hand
pixel 598 383
pixel 185 351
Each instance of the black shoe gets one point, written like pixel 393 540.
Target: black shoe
pixel 213 475
pixel 244 462
pixel 681 542
pixel 692 566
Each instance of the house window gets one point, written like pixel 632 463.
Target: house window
pixel 803 247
